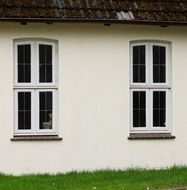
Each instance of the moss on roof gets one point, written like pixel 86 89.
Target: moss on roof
pixel 131 10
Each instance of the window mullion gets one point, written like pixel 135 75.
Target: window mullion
pixel 33 104
pixel 54 65
pixel 168 109
pixel 34 79
pixel 146 63
pixel 36 110
pixel 147 109
pixel 16 110
pixel 151 109
pixel 150 53
pixel 148 82
pixel 55 110
pixel 131 65
pixel 33 66
pixel 149 64
pixel 168 68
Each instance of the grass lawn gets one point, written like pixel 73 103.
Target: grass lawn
pixel 100 180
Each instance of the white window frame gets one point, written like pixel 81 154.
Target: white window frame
pixel 35 67
pixel 35 87
pixel 149 87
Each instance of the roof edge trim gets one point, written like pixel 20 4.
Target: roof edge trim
pixel 102 21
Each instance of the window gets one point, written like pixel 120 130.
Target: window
pixel 150 87
pixel 35 87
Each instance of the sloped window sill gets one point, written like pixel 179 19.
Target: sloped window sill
pixel 37 138
pixel 150 136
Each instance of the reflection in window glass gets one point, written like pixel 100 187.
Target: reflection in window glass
pixel 46 110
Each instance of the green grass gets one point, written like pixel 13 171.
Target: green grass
pixel 133 179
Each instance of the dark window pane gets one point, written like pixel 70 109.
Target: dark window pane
pixel 156 74
pixel 49 73
pixel 136 101
pixel 21 120
pixel 27 73
pixel 20 54
pixel 24 63
pixel 156 100
pixel 142 118
pixel 27 54
pixel 162 55
pixel 156 55
pixel 163 100
pixel 46 101
pixel 159 64
pixel 136 118
pixel 27 101
pixel 42 73
pixel 49 54
pixel 21 74
pixel 159 109
pixel 24 110
pixel 162 118
pixel 162 74
pixel 20 101
pixel 49 117
pixel 42 119
pixel 142 55
pixel 139 109
pixel 135 55
pixel 135 73
pixel 156 119
pixel 42 54
pixel 42 100
pixel 49 101
pixel 142 73
pixel 45 59
pixel 139 74
pixel 159 74
pixel 27 120
pixel 142 100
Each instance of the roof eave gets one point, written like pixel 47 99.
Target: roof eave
pixel 103 21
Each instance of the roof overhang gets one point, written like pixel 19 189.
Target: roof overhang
pixel 102 21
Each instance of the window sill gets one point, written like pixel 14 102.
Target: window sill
pixel 37 138
pixel 150 136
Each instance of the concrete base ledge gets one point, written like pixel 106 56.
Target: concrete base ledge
pixel 37 138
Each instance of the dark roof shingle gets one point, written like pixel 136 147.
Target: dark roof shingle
pixel 141 11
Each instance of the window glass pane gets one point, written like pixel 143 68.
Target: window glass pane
pixel 135 73
pixel 46 110
pixel 159 109
pixel 24 110
pixel 139 74
pixel 45 62
pixel 24 63
pixel 159 64
pixel 49 72
pixel 139 109
pixel 42 73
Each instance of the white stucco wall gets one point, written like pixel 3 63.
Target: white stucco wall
pixel 93 100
